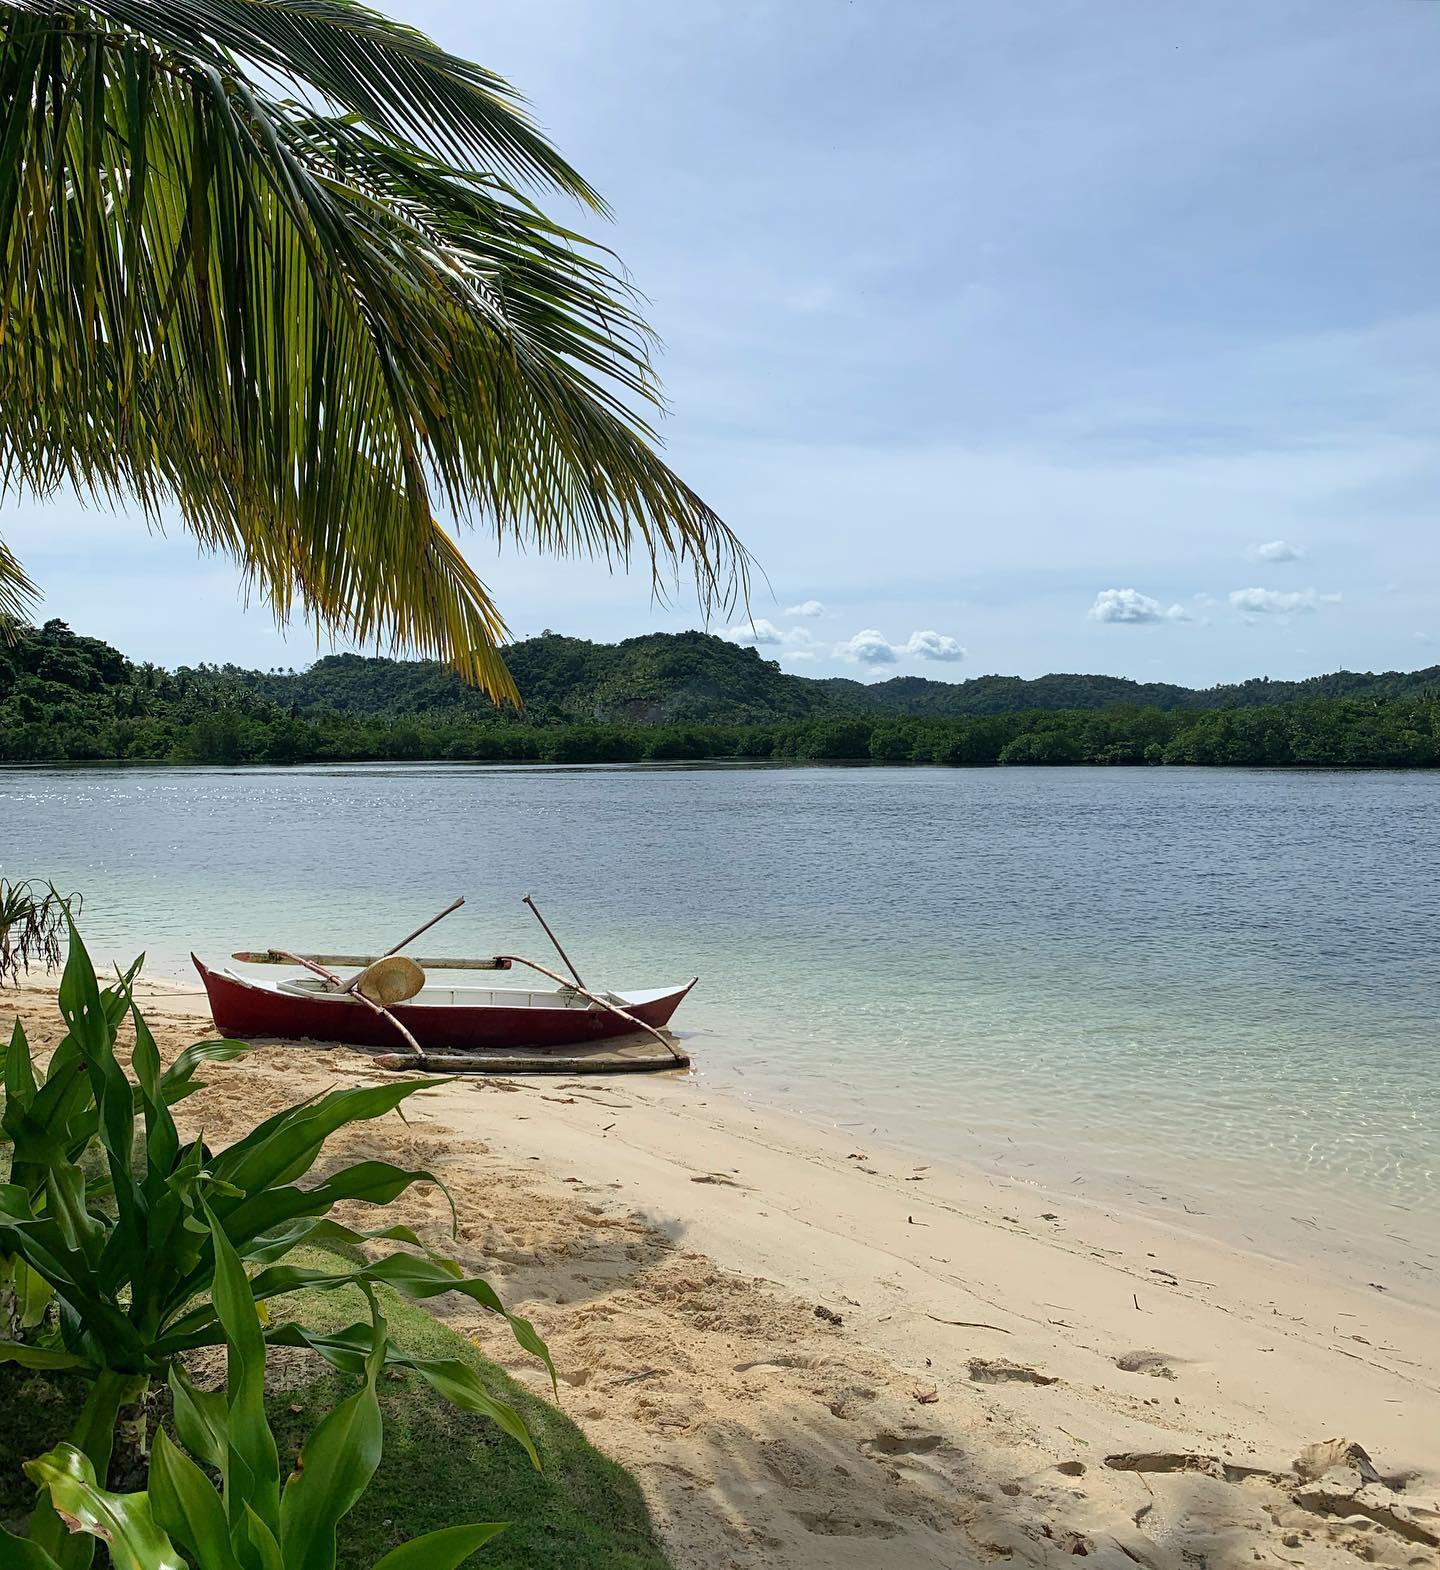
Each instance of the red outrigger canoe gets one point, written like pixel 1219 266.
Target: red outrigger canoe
pixel 441 1019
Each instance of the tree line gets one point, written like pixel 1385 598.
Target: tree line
pixel 66 698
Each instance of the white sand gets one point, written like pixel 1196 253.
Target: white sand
pixel 672 1245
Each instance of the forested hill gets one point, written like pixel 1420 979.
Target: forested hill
pixel 662 678
pixel 693 676
pixel 68 698
pixel 651 680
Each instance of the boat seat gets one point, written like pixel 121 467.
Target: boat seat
pixel 306 986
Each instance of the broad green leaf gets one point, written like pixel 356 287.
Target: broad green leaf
pixel 334 1467
pixel 285 1147
pixel 446 1549
pixel 418 1278
pixel 65 1200
pixel 187 1508
pixel 19 1069
pixel 79 998
pixel 372 1182
pixel 178 1081
pixel 200 1418
pixel 19 1553
pixel 35 1295
pixel 319 1232
pixel 15 1203
pixel 256 1544
pixel 122 1521
pixel 28 1356
pixel 460 1384
pixel 347 1350
pixel 251 1471
pixel 162 1140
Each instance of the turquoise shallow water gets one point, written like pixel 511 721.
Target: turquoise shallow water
pixel 1211 993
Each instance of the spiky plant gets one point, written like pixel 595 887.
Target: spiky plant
pixel 32 923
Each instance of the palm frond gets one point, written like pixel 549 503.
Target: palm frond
pixel 17 593
pixel 297 320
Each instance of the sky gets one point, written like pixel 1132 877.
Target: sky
pixel 1084 335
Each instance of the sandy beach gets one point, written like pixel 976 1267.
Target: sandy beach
pixel 820 1353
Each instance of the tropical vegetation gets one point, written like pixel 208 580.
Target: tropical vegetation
pixel 681 696
pixel 439 1466
pixel 276 267
pixel 253 1518
pixel 124 1248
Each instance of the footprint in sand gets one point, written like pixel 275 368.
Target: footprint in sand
pixel 903 1444
pixel 997 1371
pixel 843 1524
pixel 788 1360
pixel 915 1455
pixel 1156 1364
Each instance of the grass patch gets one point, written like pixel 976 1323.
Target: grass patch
pixel 441 1467
pixel 36 1411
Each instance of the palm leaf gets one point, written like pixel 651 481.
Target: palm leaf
pixel 311 307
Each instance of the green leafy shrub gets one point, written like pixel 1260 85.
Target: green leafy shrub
pixel 253 1520
pixel 110 1223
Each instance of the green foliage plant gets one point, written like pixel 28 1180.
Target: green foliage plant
pixel 253 1519
pixel 112 1221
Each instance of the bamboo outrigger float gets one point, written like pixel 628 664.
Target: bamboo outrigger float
pixel 390 1001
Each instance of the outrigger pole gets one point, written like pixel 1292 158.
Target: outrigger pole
pixel 569 965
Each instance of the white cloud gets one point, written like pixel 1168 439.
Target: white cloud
pixel 806 608
pixel 1277 550
pixel 1129 605
pixel 930 645
pixel 871 647
pixel 868 647
pixel 759 631
pixel 1423 637
pixel 1279 602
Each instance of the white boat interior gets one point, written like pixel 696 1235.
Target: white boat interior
pixel 432 996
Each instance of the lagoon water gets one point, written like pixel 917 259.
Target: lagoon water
pixel 1211 994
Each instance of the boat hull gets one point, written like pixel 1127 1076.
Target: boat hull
pixel 244 1010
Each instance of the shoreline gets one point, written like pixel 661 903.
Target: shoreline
pixel 1408 1268
pixel 674 1244
pixel 1413 1273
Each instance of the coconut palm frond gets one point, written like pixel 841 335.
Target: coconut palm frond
pixel 17 593
pixel 275 309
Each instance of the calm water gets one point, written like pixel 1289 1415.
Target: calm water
pixel 1210 993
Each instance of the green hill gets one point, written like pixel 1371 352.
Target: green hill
pixel 682 696
pixel 660 678
pixel 657 679
pixel 667 678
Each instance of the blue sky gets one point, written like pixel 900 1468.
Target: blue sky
pixel 1007 335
